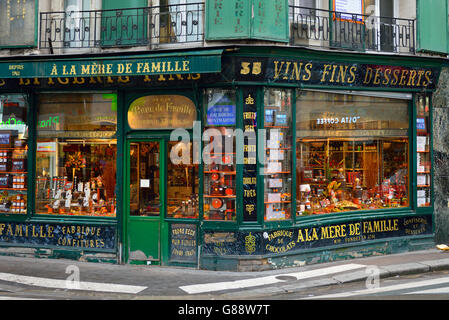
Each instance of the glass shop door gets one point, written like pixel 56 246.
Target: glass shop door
pixel 146 211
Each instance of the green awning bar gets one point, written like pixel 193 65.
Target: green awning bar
pixel 170 63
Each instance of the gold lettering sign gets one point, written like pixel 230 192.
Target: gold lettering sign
pixel 162 112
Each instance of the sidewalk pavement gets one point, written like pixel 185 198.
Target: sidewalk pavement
pixel 415 262
pixel 167 282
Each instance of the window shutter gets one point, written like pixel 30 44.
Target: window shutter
pixel 432 28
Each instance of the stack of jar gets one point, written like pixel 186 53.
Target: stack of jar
pixel 18 204
pixel 18 181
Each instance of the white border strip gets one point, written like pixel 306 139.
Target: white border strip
pixel 246 283
pixel 71 285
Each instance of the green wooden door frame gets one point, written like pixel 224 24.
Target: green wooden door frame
pixel 160 220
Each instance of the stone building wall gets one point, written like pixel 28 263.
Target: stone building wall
pixel 441 157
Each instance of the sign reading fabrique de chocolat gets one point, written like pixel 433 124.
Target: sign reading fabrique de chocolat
pixel 295 239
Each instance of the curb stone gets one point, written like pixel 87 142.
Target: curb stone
pixel 437 265
pixel 386 271
pixel 406 268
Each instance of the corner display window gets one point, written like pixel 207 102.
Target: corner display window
pixel 13 154
pixel 277 154
pixel 76 154
pixel 423 160
pixel 219 155
pixel 352 153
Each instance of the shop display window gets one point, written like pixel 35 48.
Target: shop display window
pixel 352 153
pixel 277 154
pixel 182 181
pixel 423 160
pixel 13 154
pixel 219 155
pixel 76 154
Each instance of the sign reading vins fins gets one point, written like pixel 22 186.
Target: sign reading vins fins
pixel 243 19
pixel 332 73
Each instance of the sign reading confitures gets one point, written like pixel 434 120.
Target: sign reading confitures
pixel 332 73
pixel 82 237
pixel 287 240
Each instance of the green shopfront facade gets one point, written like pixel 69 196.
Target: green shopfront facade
pixel 227 158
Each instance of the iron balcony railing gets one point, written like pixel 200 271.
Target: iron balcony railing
pixel 184 23
pixel 147 26
pixel 332 29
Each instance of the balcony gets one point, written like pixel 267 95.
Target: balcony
pixel 157 27
pixel 338 30
pixel 149 26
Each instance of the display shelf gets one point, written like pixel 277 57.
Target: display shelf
pixel 267 202
pixel 280 172
pixel 13 172
pixel 277 127
pixel 221 172
pixel 220 196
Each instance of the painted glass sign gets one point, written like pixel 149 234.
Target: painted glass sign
pixel 196 62
pixel 250 154
pixel 332 73
pixel 221 111
pixel 79 116
pixel 162 112
pixel 85 237
pixel 281 241
pixel 421 124
pixel 183 242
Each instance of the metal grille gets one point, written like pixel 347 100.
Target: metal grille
pixel 332 29
pixel 181 23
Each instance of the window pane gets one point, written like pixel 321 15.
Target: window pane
pixel 182 181
pixel 144 171
pixel 219 155
pixel 423 161
pixel 352 153
pixel 13 154
pixel 76 154
pixel 278 167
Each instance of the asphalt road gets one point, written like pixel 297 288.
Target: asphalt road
pixel 426 286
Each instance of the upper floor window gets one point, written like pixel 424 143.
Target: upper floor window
pixel 181 21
